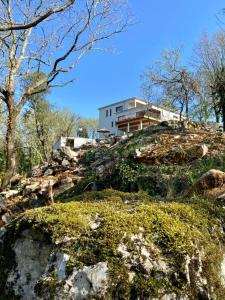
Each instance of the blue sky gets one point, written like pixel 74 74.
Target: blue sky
pixel 104 77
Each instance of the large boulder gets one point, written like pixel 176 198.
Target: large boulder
pixel 69 154
pixel 110 250
pixel 212 185
pixel 210 180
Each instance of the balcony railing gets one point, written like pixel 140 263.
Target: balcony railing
pixel 141 114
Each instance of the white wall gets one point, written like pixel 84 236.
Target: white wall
pixel 167 115
pixel 106 121
pixel 78 142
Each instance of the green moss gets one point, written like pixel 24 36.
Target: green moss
pixel 175 229
pixel 47 287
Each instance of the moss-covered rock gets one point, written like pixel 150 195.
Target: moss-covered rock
pixel 114 245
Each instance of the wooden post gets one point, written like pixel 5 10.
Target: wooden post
pixel 128 127
pixel 141 125
pixel 50 192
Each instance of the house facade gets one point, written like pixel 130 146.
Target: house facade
pixel 132 114
pixel 72 142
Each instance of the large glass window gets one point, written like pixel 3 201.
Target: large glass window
pixel 119 108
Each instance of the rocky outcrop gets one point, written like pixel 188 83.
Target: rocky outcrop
pixel 114 245
pixel 47 182
pixel 113 250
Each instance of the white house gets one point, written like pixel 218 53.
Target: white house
pixel 72 142
pixel 133 114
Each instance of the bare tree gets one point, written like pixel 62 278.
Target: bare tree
pixel 210 60
pixel 175 84
pixel 49 36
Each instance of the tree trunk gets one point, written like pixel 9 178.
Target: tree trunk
pixel 186 106
pixel 11 154
pixel 223 110
pixel 217 117
pixel 181 111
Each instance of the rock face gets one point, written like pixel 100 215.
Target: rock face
pixel 81 284
pixel 107 244
pixel 93 250
pixel 31 256
pixel 47 181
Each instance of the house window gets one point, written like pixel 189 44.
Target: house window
pixel 175 117
pixel 112 124
pixel 119 108
pixel 70 143
pixel 110 112
pixel 106 113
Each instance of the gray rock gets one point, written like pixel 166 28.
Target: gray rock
pixel 70 154
pixel 84 282
pixel 2 201
pixel 48 172
pixel 223 271
pixel 6 218
pixel 56 156
pixel 36 171
pixel 65 163
pixel 31 258
pixel 100 170
pixel 65 180
pixel 8 194
pixel 63 188
pixel 31 188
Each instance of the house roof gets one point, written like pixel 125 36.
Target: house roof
pixel 122 101
pixel 137 98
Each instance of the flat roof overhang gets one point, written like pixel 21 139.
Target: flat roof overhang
pixel 135 121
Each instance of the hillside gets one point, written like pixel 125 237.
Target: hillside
pixel 139 218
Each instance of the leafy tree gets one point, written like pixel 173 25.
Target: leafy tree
pixel 43 124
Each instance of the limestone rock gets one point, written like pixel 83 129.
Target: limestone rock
pixel 8 194
pixel 84 282
pixel 70 154
pixel 31 257
pixel 36 171
pixel 48 172
pixel 56 156
pixel 63 188
pixel 31 188
pixel 66 180
pixel 65 163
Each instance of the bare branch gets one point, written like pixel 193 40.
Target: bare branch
pixel 39 19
